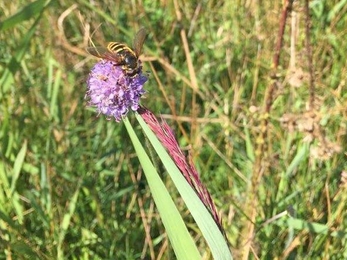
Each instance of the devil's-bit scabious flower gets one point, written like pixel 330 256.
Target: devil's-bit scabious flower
pixel 113 92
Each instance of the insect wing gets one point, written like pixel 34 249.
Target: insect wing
pixel 104 53
pixel 139 40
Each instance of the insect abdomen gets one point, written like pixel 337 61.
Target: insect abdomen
pixel 120 48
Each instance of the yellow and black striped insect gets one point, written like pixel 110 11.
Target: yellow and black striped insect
pixel 121 54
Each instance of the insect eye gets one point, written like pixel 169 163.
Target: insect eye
pixel 131 61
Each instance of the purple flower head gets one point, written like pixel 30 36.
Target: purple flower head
pixel 113 92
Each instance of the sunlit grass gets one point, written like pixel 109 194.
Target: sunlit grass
pixel 70 182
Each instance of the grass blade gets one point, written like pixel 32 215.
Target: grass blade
pixel 202 216
pixel 179 236
pixel 27 12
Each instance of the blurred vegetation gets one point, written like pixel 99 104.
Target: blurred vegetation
pixel 268 139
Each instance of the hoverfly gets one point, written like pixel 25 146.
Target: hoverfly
pixel 121 54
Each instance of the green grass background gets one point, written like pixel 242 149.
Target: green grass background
pixel 70 182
